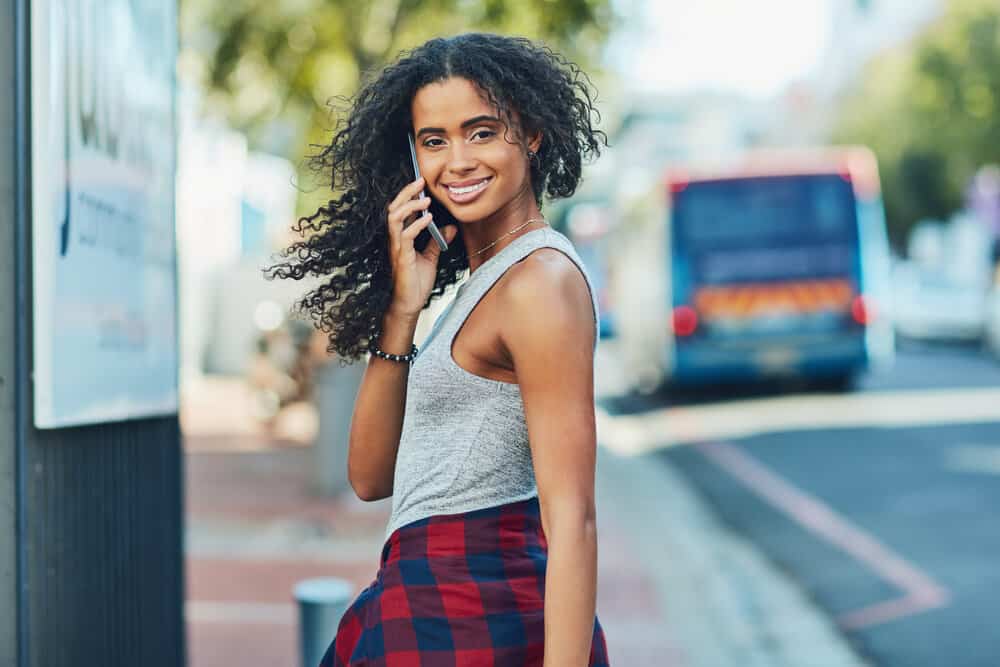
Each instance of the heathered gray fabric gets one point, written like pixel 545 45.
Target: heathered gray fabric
pixel 464 444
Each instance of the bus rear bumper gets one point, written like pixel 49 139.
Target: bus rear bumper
pixel 699 362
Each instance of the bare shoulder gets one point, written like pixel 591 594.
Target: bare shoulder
pixel 546 274
pixel 546 290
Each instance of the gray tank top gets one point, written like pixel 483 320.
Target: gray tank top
pixel 464 443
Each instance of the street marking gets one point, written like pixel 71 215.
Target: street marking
pixel 920 592
pixel 636 434
pixel 882 612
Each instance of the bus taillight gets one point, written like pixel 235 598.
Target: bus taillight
pixel 677 179
pixel 684 321
pixel 862 310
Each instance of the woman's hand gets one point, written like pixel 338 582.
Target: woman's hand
pixel 413 272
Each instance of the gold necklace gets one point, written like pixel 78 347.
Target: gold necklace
pixel 481 250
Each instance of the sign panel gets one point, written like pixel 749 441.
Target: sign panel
pixel 103 162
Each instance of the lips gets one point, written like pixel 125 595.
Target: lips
pixel 462 192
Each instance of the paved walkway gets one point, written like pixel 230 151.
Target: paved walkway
pixel 675 587
pixel 254 530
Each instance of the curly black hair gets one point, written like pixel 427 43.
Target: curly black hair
pixel 367 164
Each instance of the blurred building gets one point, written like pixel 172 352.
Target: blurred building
pixel 863 28
pixel 653 131
pixel 234 207
pixel 860 30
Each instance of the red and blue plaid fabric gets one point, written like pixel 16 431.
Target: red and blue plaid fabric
pixel 457 590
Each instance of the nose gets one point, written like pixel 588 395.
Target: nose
pixel 461 159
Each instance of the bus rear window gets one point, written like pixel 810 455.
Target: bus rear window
pixel 765 211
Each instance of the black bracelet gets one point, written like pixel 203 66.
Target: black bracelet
pixel 403 358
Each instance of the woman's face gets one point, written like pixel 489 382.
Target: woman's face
pixel 470 166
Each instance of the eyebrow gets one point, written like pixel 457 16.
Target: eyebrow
pixel 475 120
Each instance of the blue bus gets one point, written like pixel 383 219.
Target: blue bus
pixel 775 267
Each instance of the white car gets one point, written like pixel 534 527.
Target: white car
pixel 930 306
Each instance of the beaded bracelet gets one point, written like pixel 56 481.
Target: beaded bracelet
pixel 405 358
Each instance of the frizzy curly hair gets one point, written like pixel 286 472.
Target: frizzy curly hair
pixel 366 165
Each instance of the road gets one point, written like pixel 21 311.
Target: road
pixel 883 503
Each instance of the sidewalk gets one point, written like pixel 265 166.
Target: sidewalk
pixel 253 530
pixel 675 587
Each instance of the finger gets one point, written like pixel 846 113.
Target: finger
pixel 409 192
pixel 417 225
pixel 432 249
pixel 404 211
pixel 401 217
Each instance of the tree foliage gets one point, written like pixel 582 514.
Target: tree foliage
pixel 272 66
pixel 931 111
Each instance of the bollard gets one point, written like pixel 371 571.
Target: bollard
pixel 322 602
pixel 336 389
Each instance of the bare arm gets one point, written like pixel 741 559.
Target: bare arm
pixel 379 407
pixel 549 333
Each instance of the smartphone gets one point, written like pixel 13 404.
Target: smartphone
pixel 432 228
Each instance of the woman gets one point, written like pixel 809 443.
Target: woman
pixel 485 438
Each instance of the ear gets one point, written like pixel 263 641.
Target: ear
pixel 535 142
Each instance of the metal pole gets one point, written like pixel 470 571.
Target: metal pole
pixel 14 167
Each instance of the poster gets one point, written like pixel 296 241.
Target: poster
pixel 104 250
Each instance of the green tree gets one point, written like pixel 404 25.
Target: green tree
pixel 271 67
pixel 931 111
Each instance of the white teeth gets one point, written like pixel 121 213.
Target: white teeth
pixel 470 188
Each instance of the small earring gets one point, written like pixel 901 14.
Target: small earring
pixel 532 155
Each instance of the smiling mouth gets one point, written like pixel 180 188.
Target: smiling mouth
pixel 469 189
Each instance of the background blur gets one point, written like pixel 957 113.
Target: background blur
pixel 794 234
